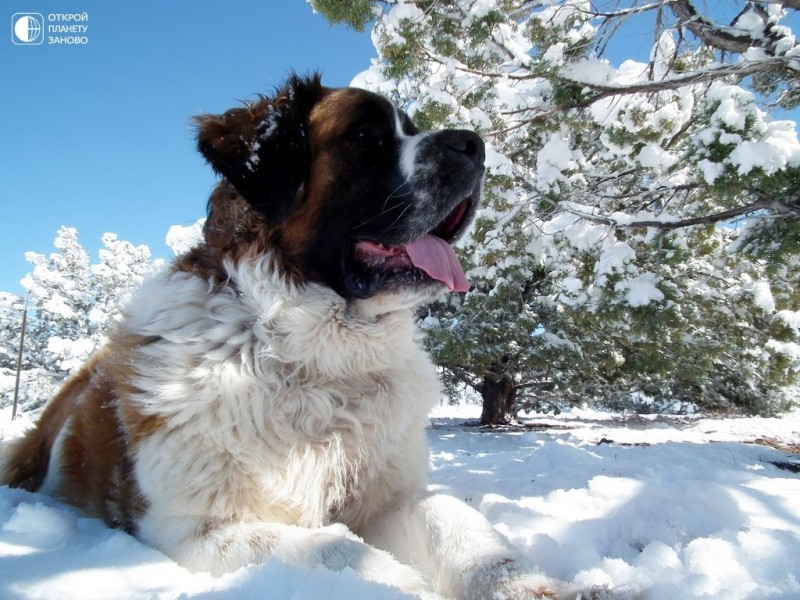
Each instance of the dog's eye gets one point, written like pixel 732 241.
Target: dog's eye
pixel 371 133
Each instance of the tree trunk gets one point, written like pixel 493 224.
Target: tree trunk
pixel 499 396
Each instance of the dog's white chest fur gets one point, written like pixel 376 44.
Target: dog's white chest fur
pixel 282 403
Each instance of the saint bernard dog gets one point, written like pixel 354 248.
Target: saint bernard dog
pixel 267 395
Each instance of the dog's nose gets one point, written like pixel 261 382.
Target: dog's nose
pixel 463 144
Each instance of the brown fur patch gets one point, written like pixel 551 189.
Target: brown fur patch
pixel 234 230
pixel 29 456
pixel 123 370
pixel 330 119
pixel 94 470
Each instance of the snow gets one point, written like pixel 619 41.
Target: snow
pixel 71 354
pixel 662 55
pixel 768 145
pixel 710 170
pixel 762 296
pixel 590 71
pixel 729 113
pixel 181 239
pixel 481 8
pixel 641 290
pixel 404 12
pixel 655 157
pixel 751 21
pixel 774 153
pixel 790 317
pixel 789 349
pixel 555 157
pixel 615 259
pixel 666 507
pixel 394 20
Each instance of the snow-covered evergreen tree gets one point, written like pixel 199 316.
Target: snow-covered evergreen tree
pixel 640 243
pixel 72 303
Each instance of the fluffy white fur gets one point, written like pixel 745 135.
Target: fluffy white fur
pixel 289 410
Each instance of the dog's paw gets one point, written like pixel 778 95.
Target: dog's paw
pixel 531 588
pixel 595 594
pixel 505 580
pixel 523 589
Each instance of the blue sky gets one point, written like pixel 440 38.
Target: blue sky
pixel 98 136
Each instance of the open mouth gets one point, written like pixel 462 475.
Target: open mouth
pixel 429 256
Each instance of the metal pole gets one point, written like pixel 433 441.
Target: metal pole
pixel 19 356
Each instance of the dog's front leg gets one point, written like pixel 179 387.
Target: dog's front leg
pixel 224 547
pixel 456 548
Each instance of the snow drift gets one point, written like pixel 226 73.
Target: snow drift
pixel 656 508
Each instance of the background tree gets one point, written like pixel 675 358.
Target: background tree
pixel 640 243
pixel 72 304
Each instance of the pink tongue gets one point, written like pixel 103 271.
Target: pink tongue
pixel 435 256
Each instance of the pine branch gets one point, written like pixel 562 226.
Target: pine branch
pixel 535 384
pixel 463 375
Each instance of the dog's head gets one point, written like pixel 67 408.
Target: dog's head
pixel 343 188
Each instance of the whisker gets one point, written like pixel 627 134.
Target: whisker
pixel 384 210
pixel 393 194
pixel 405 210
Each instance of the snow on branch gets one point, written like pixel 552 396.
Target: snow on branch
pixel 762 204
pixel 743 33
pixel 712 73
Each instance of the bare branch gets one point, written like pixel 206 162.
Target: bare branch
pixel 725 215
pixel 711 74
pixel 630 11
pixel 762 204
pixel 730 39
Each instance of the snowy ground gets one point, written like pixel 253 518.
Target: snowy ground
pixel 666 508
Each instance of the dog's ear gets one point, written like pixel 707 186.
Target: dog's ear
pixel 262 148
